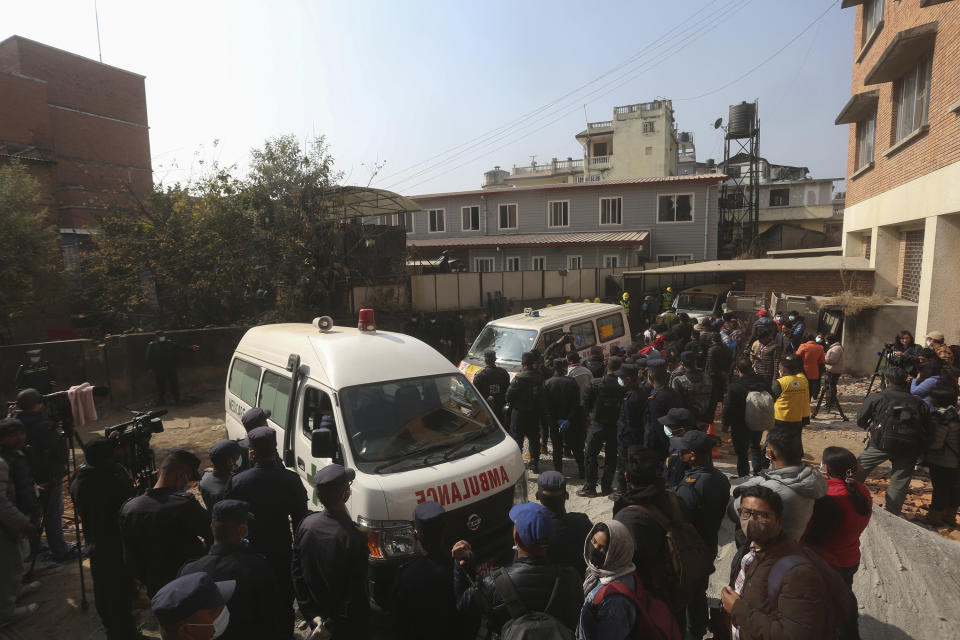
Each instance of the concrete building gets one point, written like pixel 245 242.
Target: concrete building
pixel 903 165
pixel 639 141
pixel 613 223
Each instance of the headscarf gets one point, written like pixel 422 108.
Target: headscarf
pixel 619 559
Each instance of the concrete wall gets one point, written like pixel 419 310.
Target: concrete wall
pixel 811 283
pixel 866 333
pixel 120 363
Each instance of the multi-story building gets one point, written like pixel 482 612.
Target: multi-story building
pixel 903 165
pixel 639 141
pixel 613 223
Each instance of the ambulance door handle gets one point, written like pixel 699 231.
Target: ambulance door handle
pixel 301 465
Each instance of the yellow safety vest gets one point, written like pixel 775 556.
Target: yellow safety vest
pixel 793 403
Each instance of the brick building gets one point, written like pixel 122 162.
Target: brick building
pixel 81 127
pixel 903 164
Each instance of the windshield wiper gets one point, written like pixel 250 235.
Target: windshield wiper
pixel 407 456
pixel 470 438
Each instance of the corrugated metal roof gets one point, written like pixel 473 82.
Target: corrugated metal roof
pixel 610 238
pixel 820 263
pixel 707 177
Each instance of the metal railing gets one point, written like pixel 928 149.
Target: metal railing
pixel 606 124
pixel 549 167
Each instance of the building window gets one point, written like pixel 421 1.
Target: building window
pixel 611 262
pixel 599 149
pixel 611 210
pixel 558 213
pixel 483 265
pixel 866 131
pixel 677 207
pixel 574 262
pixel 867 242
pixel 508 216
pixel 779 197
pixel 648 127
pixel 680 257
pixel 733 172
pixel 538 263
pixel 913 98
pixel 470 218
pixel 511 263
pixel 436 221
pixel 911 250
pixel 872 15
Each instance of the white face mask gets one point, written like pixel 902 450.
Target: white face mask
pixel 928 343
pixel 792 318
pixel 219 624
pixel 621 382
pixel 819 340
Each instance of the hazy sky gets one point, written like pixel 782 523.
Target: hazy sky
pixel 404 82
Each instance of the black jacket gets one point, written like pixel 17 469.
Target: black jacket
pixel 705 492
pixel 424 601
pixel 735 402
pixel 534 579
pixel 603 399
pixel 492 382
pixel 256 599
pixel 561 398
pixel 46 447
pixel 570 530
pixel 874 406
pixel 596 366
pixel 719 361
pixel 99 494
pixel 525 396
pixel 162 356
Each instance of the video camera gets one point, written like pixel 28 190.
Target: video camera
pixel 133 448
pixel 144 423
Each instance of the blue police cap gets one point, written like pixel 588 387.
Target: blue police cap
pixel 489 353
pixel 552 483
pixel 428 511
pixel 614 363
pixel 533 522
pixel 641 362
pixel 333 474
pixel 261 439
pixel 224 449
pixel 626 370
pixel 654 363
pixel 696 441
pixel 231 511
pixel 680 417
pixel 688 356
pixel 178 600
pixel 254 417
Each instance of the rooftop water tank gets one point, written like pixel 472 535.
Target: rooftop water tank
pixel 742 120
pixel 496 177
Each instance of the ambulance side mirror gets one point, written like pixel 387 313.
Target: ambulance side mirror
pixel 323 443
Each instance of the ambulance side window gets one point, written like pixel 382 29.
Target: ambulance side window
pixel 316 407
pixel 583 335
pixel 275 396
pixel 610 327
pixel 244 380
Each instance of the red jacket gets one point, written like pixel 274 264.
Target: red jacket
pixel 813 356
pixel 843 547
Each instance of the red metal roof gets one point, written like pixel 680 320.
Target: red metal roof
pixel 609 238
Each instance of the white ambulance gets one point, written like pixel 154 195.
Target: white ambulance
pixel 585 323
pixel 397 412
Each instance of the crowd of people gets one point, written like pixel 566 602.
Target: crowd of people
pixel 235 562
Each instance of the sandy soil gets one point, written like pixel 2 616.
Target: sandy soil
pixel 908 585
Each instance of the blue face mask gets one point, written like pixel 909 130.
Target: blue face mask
pixel 621 382
pixel 793 318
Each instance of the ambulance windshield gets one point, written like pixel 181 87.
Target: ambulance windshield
pixel 409 424
pixel 509 344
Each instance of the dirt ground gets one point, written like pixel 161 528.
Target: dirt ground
pixel 199 423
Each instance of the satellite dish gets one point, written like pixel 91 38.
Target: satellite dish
pixel 716 125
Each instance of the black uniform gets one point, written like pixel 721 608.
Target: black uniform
pixel 330 559
pixel 603 400
pixel 276 497
pixel 659 402
pixel 596 365
pixel 36 375
pixel 492 382
pixel 98 494
pixel 161 530
pixel 162 358
pixel 423 600
pixel 525 395
pixel 630 425
pixel 561 396
pixel 570 530
pixel 256 600
pixel 704 492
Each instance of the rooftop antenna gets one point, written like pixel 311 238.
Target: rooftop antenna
pixel 96 15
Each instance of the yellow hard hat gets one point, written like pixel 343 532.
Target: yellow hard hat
pixel 569 300
pixel 586 299
pixel 626 295
pixel 549 305
pixel 596 299
pixel 670 289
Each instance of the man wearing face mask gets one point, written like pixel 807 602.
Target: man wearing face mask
pixel 256 600
pixel 661 399
pixel 225 456
pixel 776 590
pixel 162 358
pixel 165 527
pixel 193 607
pixel 799 327
pixel 935 341
pixel 278 501
pixel 36 373
pixel 330 559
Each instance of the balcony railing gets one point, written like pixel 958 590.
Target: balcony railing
pixel 600 161
pixel 606 124
pixel 549 167
pixel 643 106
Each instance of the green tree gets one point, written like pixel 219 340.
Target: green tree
pixel 31 264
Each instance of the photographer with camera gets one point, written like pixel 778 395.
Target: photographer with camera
pixel 47 453
pixel 99 490
pixel 903 352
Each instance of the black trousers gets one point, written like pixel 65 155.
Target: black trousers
pixel 165 378
pixel 697 612
pixel 571 439
pixel 281 568
pixel 113 592
pixel 851 625
pixel 747 442
pixel 531 431
pixel 814 385
pixel 598 437
pixel 946 492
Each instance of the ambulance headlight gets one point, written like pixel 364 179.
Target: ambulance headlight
pixel 388 538
pixel 520 489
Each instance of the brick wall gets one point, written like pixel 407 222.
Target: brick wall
pixel 811 283
pixel 23 103
pixel 941 145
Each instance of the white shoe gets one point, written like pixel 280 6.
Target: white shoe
pixel 19 614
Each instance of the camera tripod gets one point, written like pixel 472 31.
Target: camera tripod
pixel 877 372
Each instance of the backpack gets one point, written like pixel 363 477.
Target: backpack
pixel 609 399
pixel 758 411
pixel 525 624
pixel 654 619
pixel 696 395
pixel 839 600
pixel 900 425
pixel 689 561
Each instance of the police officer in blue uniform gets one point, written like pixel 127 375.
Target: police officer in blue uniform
pixel 630 424
pixel 492 382
pixel 660 400
pixel 525 395
pixel 570 529
pixel 256 600
pixel 277 499
pixel 602 401
pixel 193 606
pixel 423 602
pixel 225 456
pixel 704 492
pixel 677 421
pixel 330 559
